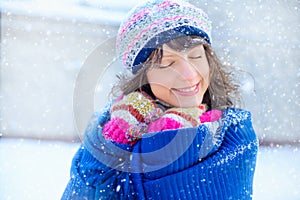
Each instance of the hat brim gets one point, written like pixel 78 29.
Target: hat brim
pixel 164 37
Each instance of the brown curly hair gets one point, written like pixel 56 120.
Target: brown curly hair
pixel 222 92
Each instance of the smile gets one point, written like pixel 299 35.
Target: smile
pixel 187 91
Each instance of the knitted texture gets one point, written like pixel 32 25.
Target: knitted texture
pixel 136 113
pixel 155 22
pixel 224 171
pixel 175 118
pixel 210 116
pixel 129 118
pixel 164 123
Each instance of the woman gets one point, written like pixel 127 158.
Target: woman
pixel 174 132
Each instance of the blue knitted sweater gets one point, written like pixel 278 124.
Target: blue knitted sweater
pixel 213 161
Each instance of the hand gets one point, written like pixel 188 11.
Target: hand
pixel 130 117
pixel 175 118
pixel 211 116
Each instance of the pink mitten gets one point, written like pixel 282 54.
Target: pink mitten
pixel 211 116
pixel 175 118
pixel 130 117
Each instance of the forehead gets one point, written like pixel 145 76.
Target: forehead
pixel 168 50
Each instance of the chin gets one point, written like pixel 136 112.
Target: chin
pixel 190 103
pixel 184 102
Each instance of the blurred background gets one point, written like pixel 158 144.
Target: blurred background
pixel 58 64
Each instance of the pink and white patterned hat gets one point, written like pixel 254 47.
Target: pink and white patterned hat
pixel 154 22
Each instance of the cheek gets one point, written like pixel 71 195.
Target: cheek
pixel 159 84
pixel 204 71
pixel 160 92
pixel 207 76
pixel 158 79
pixel 157 90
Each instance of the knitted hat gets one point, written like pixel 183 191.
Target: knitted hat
pixel 155 22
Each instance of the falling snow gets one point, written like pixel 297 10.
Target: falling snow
pixel 44 47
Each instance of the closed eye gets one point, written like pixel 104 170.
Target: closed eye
pixel 195 57
pixel 166 65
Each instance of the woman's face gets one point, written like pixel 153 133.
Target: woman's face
pixel 182 78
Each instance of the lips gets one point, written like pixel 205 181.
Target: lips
pixel 187 91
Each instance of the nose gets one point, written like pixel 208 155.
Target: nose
pixel 186 70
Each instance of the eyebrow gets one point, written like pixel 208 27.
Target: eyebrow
pixel 167 54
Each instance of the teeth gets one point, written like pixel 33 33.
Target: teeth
pixel 188 89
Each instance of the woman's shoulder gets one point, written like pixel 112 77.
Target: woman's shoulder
pixel 235 115
pixel 237 124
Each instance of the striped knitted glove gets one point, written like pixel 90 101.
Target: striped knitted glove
pixel 130 117
pixel 174 118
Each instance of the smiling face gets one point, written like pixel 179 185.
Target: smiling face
pixel 181 78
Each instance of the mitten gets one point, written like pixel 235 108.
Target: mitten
pixel 130 117
pixel 175 118
pixel 210 116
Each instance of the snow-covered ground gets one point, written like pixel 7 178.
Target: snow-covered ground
pixel 35 169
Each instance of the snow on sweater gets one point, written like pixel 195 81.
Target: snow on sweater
pixel 215 160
